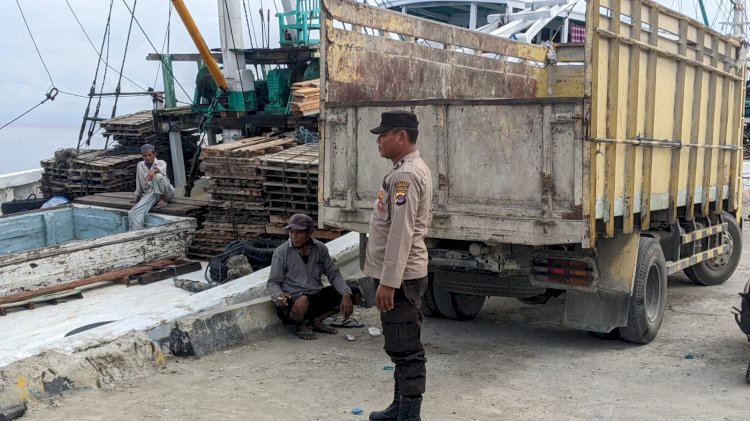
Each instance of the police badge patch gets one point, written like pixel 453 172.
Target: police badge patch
pixel 400 196
pixel 381 196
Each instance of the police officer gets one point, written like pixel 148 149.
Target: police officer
pixel 397 259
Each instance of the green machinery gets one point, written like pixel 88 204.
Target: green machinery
pixel 271 95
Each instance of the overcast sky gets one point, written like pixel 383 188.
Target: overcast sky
pixel 72 60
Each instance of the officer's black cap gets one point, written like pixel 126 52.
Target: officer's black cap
pixel 392 119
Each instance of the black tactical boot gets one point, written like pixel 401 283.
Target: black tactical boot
pixel 389 414
pixel 408 409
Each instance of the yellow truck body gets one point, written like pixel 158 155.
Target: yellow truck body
pixel 575 153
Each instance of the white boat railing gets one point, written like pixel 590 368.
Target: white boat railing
pixel 20 185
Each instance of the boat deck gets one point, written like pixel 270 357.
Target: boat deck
pixel 27 332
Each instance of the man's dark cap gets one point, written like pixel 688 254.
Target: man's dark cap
pixel 392 119
pixel 300 221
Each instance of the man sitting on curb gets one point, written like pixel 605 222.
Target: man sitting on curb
pixel 152 187
pixel 295 286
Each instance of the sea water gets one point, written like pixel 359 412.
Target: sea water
pixel 23 146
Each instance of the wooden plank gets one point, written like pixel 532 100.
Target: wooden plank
pixel 631 132
pixel 674 174
pixel 225 148
pixel 168 272
pixel 386 20
pixel 723 140
pixel 612 130
pixel 650 121
pixel 735 156
pixel 592 51
pixel 708 167
pixel 31 303
pixel 694 130
pixel 106 277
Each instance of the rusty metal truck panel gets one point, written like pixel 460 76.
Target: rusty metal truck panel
pixel 529 150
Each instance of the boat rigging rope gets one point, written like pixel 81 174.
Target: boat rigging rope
pixel 122 66
pixel 97 52
pixel 50 97
pixel 92 90
pixel 247 22
pixel 165 42
pixel 52 93
pixel 92 123
pixel 34 42
pixel 154 48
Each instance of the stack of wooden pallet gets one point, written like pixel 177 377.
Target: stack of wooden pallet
pixel 79 173
pixel 290 184
pixel 306 97
pixel 237 208
pixel 290 181
pixel 177 207
pixel 132 131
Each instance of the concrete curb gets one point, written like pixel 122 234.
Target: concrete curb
pixel 212 331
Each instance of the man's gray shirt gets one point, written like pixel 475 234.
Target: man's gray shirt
pixel 290 274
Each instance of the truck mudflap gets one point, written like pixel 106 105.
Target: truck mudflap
pixel 600 302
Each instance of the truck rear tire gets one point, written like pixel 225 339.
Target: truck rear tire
pixel 649 297
pixel 456 306
pixel 429 306
pixel 716 271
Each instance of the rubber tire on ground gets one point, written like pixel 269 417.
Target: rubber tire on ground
pixel 457 306
pixel 704 274
pixel 649 298
pixel 611 335
pixel 429 306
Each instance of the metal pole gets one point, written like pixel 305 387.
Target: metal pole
pixel 703 12
pixel 178 162
pixel 233 54
pixel 232 42
pixel 170 98
pixel 738 27
pixel 473 16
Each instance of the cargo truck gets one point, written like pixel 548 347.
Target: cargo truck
pixel 594 169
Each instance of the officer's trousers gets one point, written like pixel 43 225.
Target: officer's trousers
pixel 402 328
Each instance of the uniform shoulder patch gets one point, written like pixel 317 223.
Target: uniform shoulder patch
pixel 402 187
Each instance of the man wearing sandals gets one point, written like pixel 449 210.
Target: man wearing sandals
pixel 295 282
pixel 397 259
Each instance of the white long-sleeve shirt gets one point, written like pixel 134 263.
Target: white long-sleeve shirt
pixel 142 185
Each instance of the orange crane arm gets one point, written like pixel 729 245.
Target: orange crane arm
pixel 195 34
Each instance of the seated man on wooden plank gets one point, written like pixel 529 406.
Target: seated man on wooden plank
pixel 295 282
pixel 152 187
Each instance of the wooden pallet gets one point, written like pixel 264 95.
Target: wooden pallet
pixel 250 147
pixel 236 183
pixel 302 157
pixel 225 204
pixel 241 228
